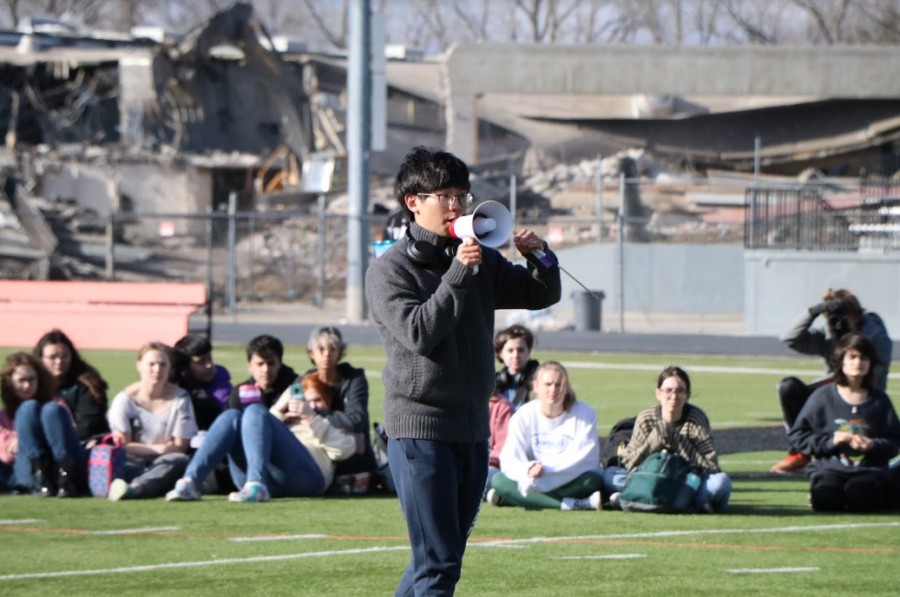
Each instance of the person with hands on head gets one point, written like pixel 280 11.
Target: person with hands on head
pixel 155 421
pixel 436 320
pixel 350 395
pixel 39 448
pixel 683 428
pixel 852 429
pixel 843 314
pixel 208 384
pixel 551 458
pixel 78 383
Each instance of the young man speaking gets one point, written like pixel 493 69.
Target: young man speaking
pixel 435 315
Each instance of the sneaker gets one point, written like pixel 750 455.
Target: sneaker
pixel 253 491
pixel 495 499
pixel 119 489
pixel 185 491
pixel 793 463
pixel 613 503
pixel 592 502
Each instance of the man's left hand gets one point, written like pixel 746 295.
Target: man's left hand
pixel 527 241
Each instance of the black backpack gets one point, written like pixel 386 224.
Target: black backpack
pixel 619 436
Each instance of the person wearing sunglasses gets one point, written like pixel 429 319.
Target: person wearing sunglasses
pixel 436 320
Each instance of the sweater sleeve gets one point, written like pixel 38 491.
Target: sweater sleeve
pixel 516 457
pixel 694 443
pixel 886 445
pixel 417 322
pixel 518 287
pixel 810 433
pixel 7 438
pixel 651 434
pixel 800 338
pixel 336 444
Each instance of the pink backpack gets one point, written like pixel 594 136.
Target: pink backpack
pixel 105 463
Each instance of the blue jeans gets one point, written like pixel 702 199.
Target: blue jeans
pixel 45 429
pixel 259 448
pixel 440 485
pixel 715 490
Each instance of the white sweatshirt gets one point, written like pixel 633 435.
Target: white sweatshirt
pixel 566 446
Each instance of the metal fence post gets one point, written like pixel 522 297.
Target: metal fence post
pixel 209 271
pixel 620 255
pixel 231 292
pixel 513 199
pixel 110 272
pixel 320 260
pixel 599 183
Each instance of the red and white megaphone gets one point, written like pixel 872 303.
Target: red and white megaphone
pixel 490 224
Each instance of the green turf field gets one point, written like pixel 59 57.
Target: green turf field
pixel 769 543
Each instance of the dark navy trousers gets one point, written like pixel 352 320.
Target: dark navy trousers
pixel 440 485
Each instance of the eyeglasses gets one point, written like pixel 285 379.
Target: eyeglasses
pixel 446 199
pixel 679 392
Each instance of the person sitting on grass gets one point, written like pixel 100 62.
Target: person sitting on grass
pixel 39 447
pixel 513 386
pixel 552 452
pixel 208 384
pixel 852 429
pixel 78 383
pixel 288 451
pixel 350 396
pixel 247 434
pixel 155 421
pixel 683 428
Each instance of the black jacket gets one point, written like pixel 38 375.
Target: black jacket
pixel 88 412
pixel 286 376
pixel 521 382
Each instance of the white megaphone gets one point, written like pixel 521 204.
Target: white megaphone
pixel 490 224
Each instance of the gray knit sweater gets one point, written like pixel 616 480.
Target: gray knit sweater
pixel 437 326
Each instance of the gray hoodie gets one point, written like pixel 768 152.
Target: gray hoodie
pixel 437 326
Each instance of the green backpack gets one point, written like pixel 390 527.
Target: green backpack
pixel 654 485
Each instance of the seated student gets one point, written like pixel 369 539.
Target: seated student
pixel 268 458
pixel 39 447
pixel 208 384
pixel 350 392
pixel 682 428
pixel 513 385
pixel 155 421
pixel 842 313
pixel 852 429
pixel 246 433
pixel 78 384
pixel 513 347
pixel 552 453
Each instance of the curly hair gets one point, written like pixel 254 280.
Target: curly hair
pixel 46 385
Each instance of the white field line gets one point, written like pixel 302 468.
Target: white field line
pixel 794 529
pixel 134 531
pixel 277 538
pixel 727 462
pixel 230 561
pixel 770 570
pixel 20 521
pixel 620 556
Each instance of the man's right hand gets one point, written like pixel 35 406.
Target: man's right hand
pixel 825 307
pixel 469 253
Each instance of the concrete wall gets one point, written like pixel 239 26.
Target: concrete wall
pixel 779 285
pixel 835 71
pixel 673 278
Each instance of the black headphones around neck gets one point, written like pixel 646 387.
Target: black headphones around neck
pixel 424 253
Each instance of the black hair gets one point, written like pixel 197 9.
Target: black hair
pixel 513 332
pixel 194 345
pixel 426 169
pixel 266 347
pixel 79 369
